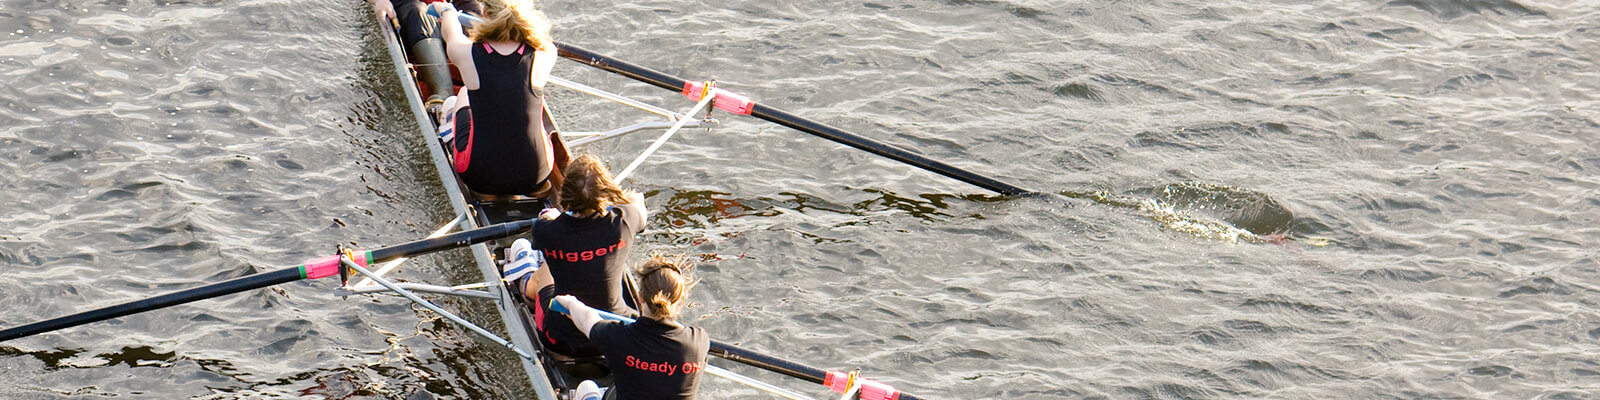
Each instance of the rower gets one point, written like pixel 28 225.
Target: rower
pixel 654 357
pixel 500 146
pixel 586 248
pixel 420 37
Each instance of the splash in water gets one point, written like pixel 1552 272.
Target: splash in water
pixel 1210 211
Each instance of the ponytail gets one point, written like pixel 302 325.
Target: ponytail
pixel 664 284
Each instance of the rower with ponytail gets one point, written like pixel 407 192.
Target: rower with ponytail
pixel 655 357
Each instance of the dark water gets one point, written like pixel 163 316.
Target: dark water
pixel 1276 199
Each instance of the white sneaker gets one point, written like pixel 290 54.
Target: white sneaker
pixel 523 260
pixel 588 391
pixel 447 122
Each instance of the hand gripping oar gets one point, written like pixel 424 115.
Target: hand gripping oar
pixel 312 269
pixel 838 381
pixel 740 104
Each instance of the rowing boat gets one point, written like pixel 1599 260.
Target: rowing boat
pixel 487 226
pixel 548 375
pixel 553 379
pixel 545 378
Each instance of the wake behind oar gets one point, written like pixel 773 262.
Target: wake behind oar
pixel 1211 211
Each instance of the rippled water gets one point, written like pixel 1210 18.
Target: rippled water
pixel 1279 199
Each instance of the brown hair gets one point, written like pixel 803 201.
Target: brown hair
pixel 589 189
pixel 664 284
pixel 513 21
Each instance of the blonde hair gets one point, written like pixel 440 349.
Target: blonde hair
pixel 589 188
pixel 513 21
pixel 664 284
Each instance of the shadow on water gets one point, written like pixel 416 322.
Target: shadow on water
pixel 1452 9
pixel 133 357
pixel 1210 211
pixel 702 209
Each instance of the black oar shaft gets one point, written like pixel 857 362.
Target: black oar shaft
pixel 235 285
pixel 257 281
pixel 774 364
pixel 780 117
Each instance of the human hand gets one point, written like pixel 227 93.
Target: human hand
pixel 566 302
pixel 437 9
pixel 549 214
pixel 384 9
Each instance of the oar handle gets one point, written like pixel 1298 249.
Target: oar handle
pixel 836 380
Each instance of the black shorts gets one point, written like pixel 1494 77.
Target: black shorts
pixel 557 332
pixel 414 28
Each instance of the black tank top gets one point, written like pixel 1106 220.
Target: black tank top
pixel 651 359
pixel 587 255
pixel 505 150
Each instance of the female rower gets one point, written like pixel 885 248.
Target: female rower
pixel 420 36
pixel 585 248
pixel 504 66
pixel 654 357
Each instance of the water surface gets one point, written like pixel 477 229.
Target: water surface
pixel 1275 199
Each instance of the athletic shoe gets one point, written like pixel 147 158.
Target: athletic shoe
pixel 588 391
pixel 523 260
pixel 447 123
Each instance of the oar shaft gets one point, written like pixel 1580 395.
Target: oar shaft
pixel 774 364
pixel 825 131
pixel 235 285
pixel 451 241
pixel 257 281
pixel 676 84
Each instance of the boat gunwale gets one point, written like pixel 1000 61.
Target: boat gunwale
pixel 511 317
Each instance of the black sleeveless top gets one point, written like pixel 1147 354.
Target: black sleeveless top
pixel 503 149
pixel 587 256
pixel 651 359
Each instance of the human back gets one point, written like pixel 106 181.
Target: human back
pixel 500 143
pixel 586 248
pixel 655 357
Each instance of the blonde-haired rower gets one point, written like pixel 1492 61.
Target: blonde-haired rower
pixel 499 145
pixel 655 357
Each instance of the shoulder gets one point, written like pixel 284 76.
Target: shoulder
pixel 700 339
pixel 550 227
pixel 630 214
pixel 603 330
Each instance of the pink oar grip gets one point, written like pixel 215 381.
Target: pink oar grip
pixel 839 382
pixel 329 266
pixel 725 100
pixel 874 390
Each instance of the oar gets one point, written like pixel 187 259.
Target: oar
pixel 838 381
pixel 743 105
pixel 312 269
